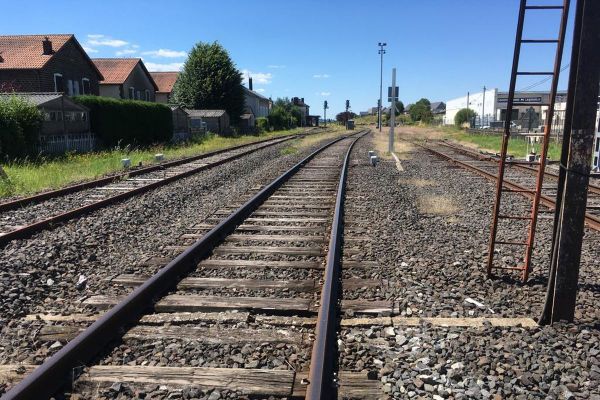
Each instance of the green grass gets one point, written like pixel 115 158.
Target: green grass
pixel 516 147
pixel 29 177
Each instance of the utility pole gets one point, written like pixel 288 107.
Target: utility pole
pixel 578 139
pixel 325 107
pixel 393 112
pixel 468 118
pixel 347 107
pixel 483 108
pixel 381 52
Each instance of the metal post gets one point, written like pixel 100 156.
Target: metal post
pixel 483 108
pixel 468 118
pixel 381 52
pixel 393 112
pixel 570 230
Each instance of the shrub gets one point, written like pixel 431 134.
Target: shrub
pixel 464 115
pixel 128 122
pixel 20 123
pixel 262 124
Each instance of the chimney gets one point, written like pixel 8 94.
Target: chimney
pixel 1 59
pixel 47 46
pixel 302 100
pixel 250 83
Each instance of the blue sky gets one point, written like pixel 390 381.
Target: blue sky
pixel 313 49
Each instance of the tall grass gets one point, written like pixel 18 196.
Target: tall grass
pixel 32 176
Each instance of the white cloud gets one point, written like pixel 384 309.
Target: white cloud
pixel 165 53
pixel 125 52
pixel 260 90
pixel 263 78
pixel 102 40
pixel 324 94
pixel 157 67
pixel 321 76
pixel 275 66
pixel 89 49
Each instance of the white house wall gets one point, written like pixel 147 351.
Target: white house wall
pixel 475 103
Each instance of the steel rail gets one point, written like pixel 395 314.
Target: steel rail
pixel 592 188
pixel 49 377
pixel 321 384
pixel 14 204
pixel 43 224
pixel 591 220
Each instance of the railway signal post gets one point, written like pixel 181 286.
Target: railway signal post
pixel 575 165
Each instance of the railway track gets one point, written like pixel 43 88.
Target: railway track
pixel 23 217
pixel 247 306
pixel 518 176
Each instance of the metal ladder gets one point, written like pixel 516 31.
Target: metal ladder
pixel 533 194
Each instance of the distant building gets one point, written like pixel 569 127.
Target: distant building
pixel 46 63
pixel 126 78
pixel 255 106
pixel 527 113
pixel 165 82
pixel 304 109
pixel 66 124
pixel 438 107
pixel 217 121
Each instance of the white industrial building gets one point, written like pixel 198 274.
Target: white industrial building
pixel 491 105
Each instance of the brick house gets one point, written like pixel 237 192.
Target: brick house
pixel 126 78
pixel 46 63
pixel 165 82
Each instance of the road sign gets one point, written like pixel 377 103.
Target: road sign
pixel 395 95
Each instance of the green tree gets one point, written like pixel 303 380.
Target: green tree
pixel 464 115
pixel 284 114
pixel 20 123
pixel 421 111
pixel 399 108
pixel 210 80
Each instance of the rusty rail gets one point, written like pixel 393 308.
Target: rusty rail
pixel 49 377
pixel 591 220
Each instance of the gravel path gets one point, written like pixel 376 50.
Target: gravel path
pixel 429 228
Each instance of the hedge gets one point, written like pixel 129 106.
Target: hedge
pixel 123 122
pixel 20 123
pixel 262 124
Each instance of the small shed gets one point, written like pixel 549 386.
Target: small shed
pixel 217 121
pixel 66 124
pixel 181 124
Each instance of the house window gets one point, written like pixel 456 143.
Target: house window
pixel 70 87
pixel 595 161
pixel 131 93
pixel 54 116
pixel 85 86
pixel 147 95
pixel 76 88
pixel 597 144
pixel 138 95
pixel 58 83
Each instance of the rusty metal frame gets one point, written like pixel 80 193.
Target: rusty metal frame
pixel 529 244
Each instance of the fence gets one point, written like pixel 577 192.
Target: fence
pixel 61 143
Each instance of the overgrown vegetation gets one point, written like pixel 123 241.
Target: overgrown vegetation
pixel 20 123
pixel 128 122
pixel 210 80
pixel 28 177
pixel 284 115
pixel 464 115
pixel 421 111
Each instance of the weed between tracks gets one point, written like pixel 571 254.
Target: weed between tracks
pixel 296 145
pixel 437 205
pixel 28 177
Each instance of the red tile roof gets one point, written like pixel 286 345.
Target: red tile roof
pixel 26 51
pixel 164 81
pixel 115 70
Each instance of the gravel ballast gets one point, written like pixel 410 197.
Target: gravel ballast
pixel 428 227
